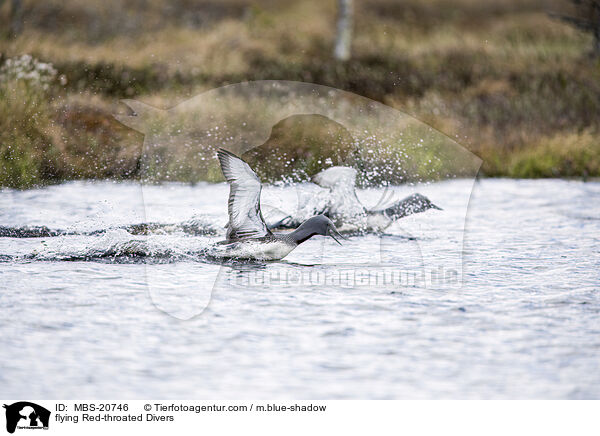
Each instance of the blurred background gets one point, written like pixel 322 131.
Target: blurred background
pixel 517 82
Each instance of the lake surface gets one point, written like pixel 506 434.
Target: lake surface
pixel 102 310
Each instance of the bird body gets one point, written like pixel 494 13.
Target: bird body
pixel 253 249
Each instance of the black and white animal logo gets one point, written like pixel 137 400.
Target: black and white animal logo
pixel 26 415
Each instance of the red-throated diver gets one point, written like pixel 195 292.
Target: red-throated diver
pixel 248 236
pixel 342 206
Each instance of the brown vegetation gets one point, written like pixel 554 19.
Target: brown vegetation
pixel 504 78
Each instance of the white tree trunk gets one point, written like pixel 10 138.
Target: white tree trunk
pixel 16 17
pixel 343 40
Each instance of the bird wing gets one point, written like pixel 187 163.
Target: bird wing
pixel 335 176
pixel 245 217
pixel 385 201
pixel 342 199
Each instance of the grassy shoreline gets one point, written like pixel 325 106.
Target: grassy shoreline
pixel 512 85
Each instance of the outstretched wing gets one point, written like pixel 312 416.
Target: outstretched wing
pixel 342 199
pixel 245 217
pixel 335 176
pixel 385 201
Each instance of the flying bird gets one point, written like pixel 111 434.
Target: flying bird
pixel 248 236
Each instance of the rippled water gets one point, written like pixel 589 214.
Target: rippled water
pixel 81 311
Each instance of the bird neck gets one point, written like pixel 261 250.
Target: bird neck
pixel 396 212
pixel 302 234
pixel 401 209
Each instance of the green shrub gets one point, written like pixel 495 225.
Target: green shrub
pixel 28 155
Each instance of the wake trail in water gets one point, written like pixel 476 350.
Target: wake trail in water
pixel 30 232
pixel 192 227
pixel 118 246
pixel 134 243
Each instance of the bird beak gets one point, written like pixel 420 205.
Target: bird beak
pixel 433 206
pixel 332 231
